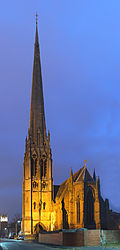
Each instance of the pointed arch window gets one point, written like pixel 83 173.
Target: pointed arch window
pixel 43 167
pixel 34 205
pixel 78 210
pixel 34 166
pixel 44 205
pixel 90 208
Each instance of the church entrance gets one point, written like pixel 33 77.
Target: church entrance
pixel 89 204
pixel 38 228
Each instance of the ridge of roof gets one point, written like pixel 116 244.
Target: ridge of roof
pixel 88 176
pixel 76 177
pixel 80 175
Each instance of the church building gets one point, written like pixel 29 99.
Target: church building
pixel 76 203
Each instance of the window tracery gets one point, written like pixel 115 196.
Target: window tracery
pixel 35 184
pixel 34 164
pixel 43 166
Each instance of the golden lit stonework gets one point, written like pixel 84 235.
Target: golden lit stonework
pixel 85 162
pixel 45 206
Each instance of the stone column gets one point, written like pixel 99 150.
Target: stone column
pixel 97 208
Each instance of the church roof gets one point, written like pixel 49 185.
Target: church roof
pixel 37 115
pixel 61 188
pixel 82 174
pixel 78 174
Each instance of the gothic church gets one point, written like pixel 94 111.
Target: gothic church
pixel 76 203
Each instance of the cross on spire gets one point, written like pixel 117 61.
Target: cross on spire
pixel 85 162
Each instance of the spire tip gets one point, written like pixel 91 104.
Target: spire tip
pixel 85 162
pixel 36 17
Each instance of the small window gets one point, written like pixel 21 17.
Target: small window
pixel 34 205
pixel 44 205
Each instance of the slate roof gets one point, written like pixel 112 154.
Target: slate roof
pixel 82 174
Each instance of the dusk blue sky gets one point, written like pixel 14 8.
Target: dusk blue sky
pixel 80 58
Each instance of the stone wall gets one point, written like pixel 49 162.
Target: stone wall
pixel 54 238
pixel 92 238
pixel 80 237
pixel 110 236
pixel 73 238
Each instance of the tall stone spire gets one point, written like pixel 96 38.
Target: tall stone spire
pixel 37 115
pixel 38 164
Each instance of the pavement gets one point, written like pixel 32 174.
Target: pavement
pixel 10 244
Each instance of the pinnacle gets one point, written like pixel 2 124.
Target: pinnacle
pixel 71 173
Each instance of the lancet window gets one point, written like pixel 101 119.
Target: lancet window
pixel 43 167
pixel 34 205
pixel 34 166
pixel 78 210
pixel 44 205
pixel 90 208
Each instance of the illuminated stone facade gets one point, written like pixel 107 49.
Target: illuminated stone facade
pixel 73 204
